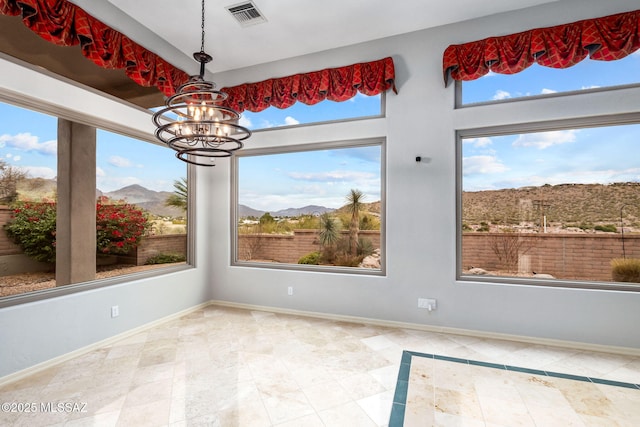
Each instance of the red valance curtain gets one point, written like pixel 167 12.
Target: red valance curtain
pixel 65 24
pixel 603 39
pixel 335 84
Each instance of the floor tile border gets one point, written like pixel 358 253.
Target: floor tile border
pixel 402 385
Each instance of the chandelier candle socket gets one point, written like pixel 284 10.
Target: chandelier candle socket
pixel 195 123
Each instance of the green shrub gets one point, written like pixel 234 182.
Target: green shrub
pixel 311 259
pixel 625 270
pixel 165 258
pixel 33 228
pixel 609 228
pixel 483 227
pixel 365 247
pixel 346 260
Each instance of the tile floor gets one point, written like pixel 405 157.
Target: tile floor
pixel 224 367
pixel 443 390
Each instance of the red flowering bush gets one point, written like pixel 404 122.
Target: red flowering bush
pixel 119 228
pixel 33 228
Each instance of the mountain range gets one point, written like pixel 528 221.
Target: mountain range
pixel 152 201
pixel 149 200
pixel 562 203
pixel 246 211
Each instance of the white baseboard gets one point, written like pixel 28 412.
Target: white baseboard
pixel 627 351
pixel 16 376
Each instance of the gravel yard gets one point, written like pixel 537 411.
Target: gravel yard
pixel 28 282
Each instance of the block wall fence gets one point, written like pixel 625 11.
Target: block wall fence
pixel 288 249
pixel 565 256
pixel 7 247
pixel 154 245
pixel 568 256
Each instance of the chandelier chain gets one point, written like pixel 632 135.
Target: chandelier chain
pixel 195 121
pixel 202 28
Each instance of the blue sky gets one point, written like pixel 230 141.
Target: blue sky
pixel 28 141
pixel 589 155
pixel 579 156
pixel 322 177
pixel 537 80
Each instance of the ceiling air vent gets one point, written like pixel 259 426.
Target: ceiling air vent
pixel 246 14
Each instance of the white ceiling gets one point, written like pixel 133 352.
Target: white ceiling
pixel 293 27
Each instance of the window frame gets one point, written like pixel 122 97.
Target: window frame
pixel 341 144
pixel 519 128
pixel 25 101
pixel 458 88
pixel 383 112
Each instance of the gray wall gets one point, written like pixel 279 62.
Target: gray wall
pixel 421 120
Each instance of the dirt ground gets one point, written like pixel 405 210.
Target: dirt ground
pixel 28 282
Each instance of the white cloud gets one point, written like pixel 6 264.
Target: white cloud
pixel 478 142
pixel 590 87
pixel 290 121
pixel 501 94
pixel 106 183
pixel 542 140
pixel 604 176
pixel 120 162
pixel 489 74
pixel 112 183
pixel 39 172
pixel 27 142
pixel 245 121
pixel 546 91
pixel 17 158
pixel 361 95
pixel 482 165
pixel 266 124
pixel 331 176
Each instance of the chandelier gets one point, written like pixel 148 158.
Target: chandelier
pixel 195 123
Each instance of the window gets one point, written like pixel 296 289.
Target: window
pixel 540 81
pixel 134 175
pixel 136 181
pixel 28 170
pixel 561 205
pixel 294 207
pixel 360 106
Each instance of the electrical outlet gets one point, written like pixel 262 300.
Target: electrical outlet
pixel 290 290
pixel 115 311
pixel 428 303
